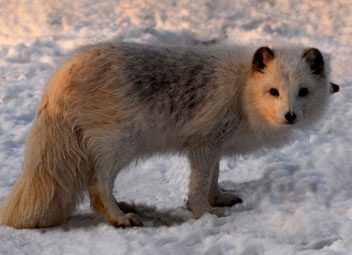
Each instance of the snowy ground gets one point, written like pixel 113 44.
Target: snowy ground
pixel 297 200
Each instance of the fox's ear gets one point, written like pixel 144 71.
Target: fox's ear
pixel 334 88
pixel 315 60
pixel 261 58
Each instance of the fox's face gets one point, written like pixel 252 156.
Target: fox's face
pixel 287 87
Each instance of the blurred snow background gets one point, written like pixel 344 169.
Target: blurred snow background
pixel 297 200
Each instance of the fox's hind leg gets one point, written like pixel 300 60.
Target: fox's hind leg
pixel 101 192
pixel 103 202
pixel 219 197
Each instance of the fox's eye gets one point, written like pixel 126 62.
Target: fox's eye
pixel 274 92
pixel 303 92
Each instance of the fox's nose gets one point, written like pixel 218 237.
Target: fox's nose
pixel 290 117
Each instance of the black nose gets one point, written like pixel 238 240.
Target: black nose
pixel 290 117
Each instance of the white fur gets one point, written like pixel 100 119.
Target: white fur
pixel 93 121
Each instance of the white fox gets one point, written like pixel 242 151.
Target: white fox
pixel 111 103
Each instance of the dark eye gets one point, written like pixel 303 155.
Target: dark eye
pixel 274 92
pixel 303 92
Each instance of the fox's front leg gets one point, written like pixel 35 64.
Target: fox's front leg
pixel 217 196
pixel 202 164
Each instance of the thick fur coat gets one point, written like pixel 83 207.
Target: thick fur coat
pixel 111 103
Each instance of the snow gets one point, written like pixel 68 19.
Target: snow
pixel 297 199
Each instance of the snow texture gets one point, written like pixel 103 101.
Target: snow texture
pixel 297 199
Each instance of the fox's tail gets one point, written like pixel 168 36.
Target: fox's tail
pixel 54 176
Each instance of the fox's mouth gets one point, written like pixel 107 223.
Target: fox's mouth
pixel 290 123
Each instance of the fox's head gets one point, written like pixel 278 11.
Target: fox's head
pixel 287 86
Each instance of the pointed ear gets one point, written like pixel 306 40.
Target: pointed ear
pixel 315 60
pixel 334 88
pixel 261 58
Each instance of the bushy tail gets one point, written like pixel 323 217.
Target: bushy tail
pixel 54 174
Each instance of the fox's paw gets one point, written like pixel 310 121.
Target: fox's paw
pixel 126 220
pixel 198 207
pixel 224 198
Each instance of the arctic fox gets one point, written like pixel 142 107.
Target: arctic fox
pixel 111 103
